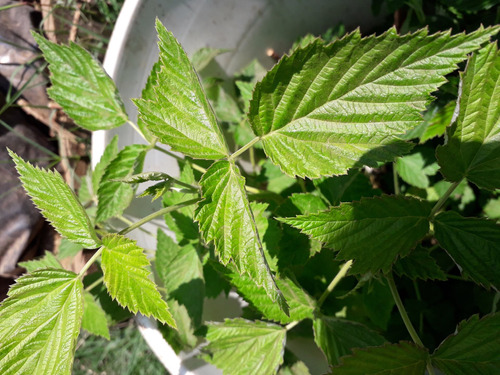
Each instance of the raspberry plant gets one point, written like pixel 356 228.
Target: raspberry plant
pixel 321 114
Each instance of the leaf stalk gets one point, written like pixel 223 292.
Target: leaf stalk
pixel 243 149
pixel 339 276
pixel 90 262
pixel 444 198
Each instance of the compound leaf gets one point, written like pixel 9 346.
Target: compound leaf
pixel 224 216
pixel 39 323
pixel 115 196
pixel 474 245
pixel 345 104
pixel 47 261
pixel 57 202
pixel 473 349
pixel 389 359
pixel 127 278
pixel 94 318
pixel 373 231
pixel 336 337
pixel 178 112
pixel 81 86
pixel 241 347
pixel 473 147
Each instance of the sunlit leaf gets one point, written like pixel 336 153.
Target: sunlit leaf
pixel 47 261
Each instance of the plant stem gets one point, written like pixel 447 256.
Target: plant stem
pixel 443 199
pixel 94 284
pixel 161 212
pixel 90 262
pixel 339 276
pixel 289 326
pixel 243 149
pixel 136 128
pixel 397 190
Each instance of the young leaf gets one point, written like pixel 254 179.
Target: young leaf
pixel 127 278
pixel 336 337
pixel 419 265
pixel 473 147
pixel 301 305
pixel 108 155
pixel 47 261
pixel 345 104
pixel 242 347
pixel 473 349
pixel 402 358
pixel 81 86
pixel 94 318
pixel 57 202
pixel 226 218
pixel 373 231
pixel 205 55
pixel 179 114
pixel 181 271
pixel 157 190
pixel 474 245
pixel 115 196
pixel 39 323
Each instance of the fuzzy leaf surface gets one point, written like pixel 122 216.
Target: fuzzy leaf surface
pixel 47 261
pixel 179 113
pixel 224 216
pixel 419 264
pixel 241 347
pixel 336 337
pixel 389 359
pixel 94 318
pixel 115 196
pixel 81 86
pixel 57 203
pixel 474 245
pixel 345 104
pixel 473 147
pixel 40 322
pixel 373 231
pixel 473 349
pixel 127 278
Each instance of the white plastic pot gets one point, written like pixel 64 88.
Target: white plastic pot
pixel 247 27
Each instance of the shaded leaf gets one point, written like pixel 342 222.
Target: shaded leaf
pixel 225 217
pixel 94 318
pixel 115 196
pixel 57 202
pixel 205 55
pixel 336 337
pixel 373 231
pixel 346 104
pixel 127 278
pixel 179 113
pixel 472 150
pixel 474 245
pixel 473 349
pixel 47 261
pixel 437 124
pixel 39 323
pixel 419 265
pixel 242 347
pixel 81 86
pixel 157 190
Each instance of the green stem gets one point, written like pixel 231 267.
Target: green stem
pixel 397 190
pixel 94 284
pixel 243 149
pixel 444 198
pixel 289 326
pixel 339 276
pixel 90 262
pixel 154 215
pixel 136 128
pixel 251 152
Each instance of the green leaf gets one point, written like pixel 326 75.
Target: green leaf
pixel 181 271
pixel 148 93
pixel 301 304
pixel 474 245
pixel 108 155
pixel 39 323
pixel 115 196
pixel 438 123
pixel 419 265
pixel 472 150
pixel 204 56
pixel 57 202
pixel 157 190
pixel 269 232
pixel 415 169
pixel 242 347
pixel 179 114
pixel 378 301
pixel 47 261
pixel 127 278
pixel 336 337
pixel 373 231
pixel 389 359
pixel 224 216
pixel 94 318
pixel 345 104
pixel 492 209
pixel 81 86
pixel 473 349
pixel 68 249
